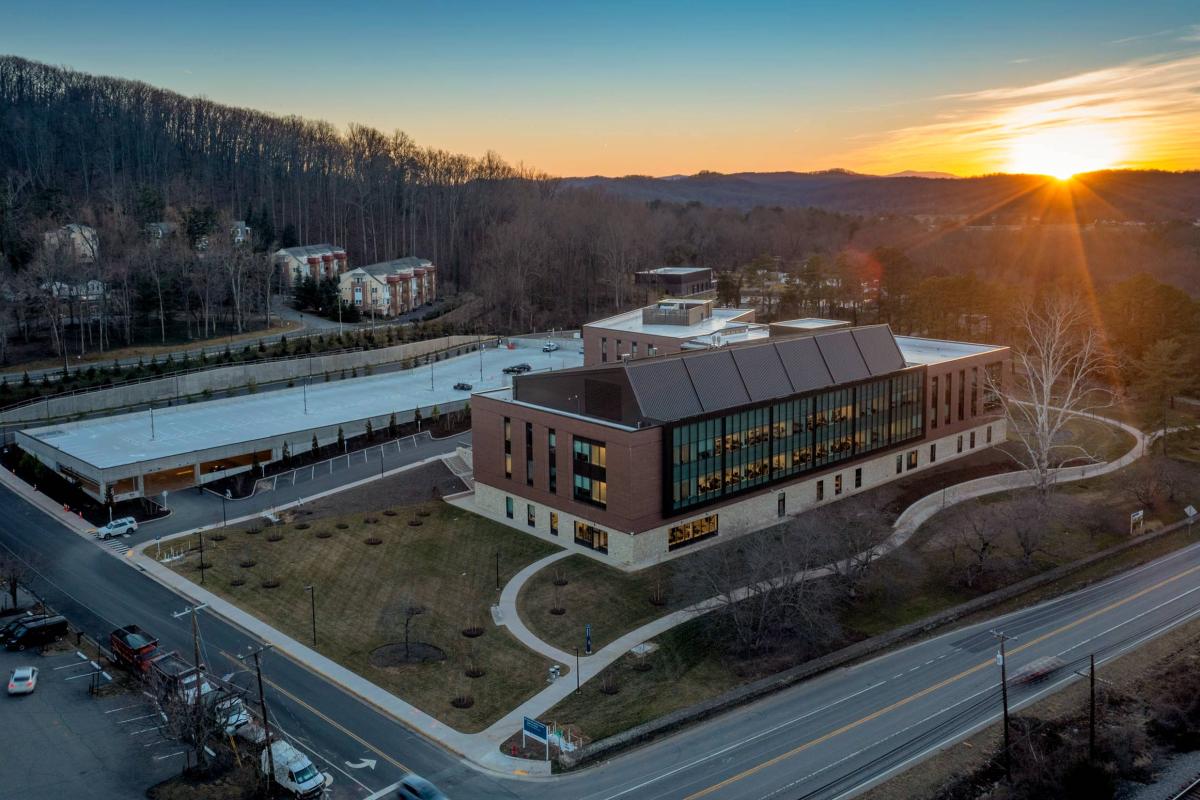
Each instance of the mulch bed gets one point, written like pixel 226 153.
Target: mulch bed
pixel 393 655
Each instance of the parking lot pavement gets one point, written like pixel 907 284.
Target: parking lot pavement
pixel 62 742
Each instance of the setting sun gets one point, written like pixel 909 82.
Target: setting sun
pixel 1063 152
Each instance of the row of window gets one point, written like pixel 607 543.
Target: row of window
pixel 726 455
pixel 651 350
pixel 991 393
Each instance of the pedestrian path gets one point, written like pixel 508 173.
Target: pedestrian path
pixel 117 544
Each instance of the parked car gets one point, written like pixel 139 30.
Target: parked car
pixel 38 633
pixel 118 527
pixel 517 369
pixel 7 631
pixel 549 347
pixel 23 680
pixel 414 787
pixel 294 772
pixel 463 387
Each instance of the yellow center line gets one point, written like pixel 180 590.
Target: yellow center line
pixel 326 719
pixel 876 714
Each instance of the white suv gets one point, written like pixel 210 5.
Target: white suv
pixel 118 527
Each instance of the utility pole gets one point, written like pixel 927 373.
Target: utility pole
pixel 1092 712
pixel 262 705
pixel 201 534
pixel 497 570
pixel 306 395
pixel 479 347
pixel 199 672
pixel 1004 697
pixel 151 422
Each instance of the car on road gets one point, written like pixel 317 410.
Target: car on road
pixel 23 680
pixel 517 369
pixel 463 387
pixel 118 527
pixel 549 347
pixel 1038 669
pixel 7 631
pixel 414 787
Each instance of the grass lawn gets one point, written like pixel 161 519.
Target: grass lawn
pixel 612 601
pixel 447 564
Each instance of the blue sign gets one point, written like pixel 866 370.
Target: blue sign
pixel 587 638
pixel 537 730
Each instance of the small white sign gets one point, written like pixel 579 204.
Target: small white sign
pixel 1136 517
pixel 999 659
pixel 1190 511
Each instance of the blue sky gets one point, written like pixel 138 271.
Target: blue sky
pixel 614 88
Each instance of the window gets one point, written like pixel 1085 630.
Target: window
pixel 554 523
pixel 858 478
pixel 603 349
pixel 989 434
pixel 932 453
pixel 690 532
pixel 960 443
pixel 912 459
pixel 933 401
pixel 947 394
pixel 508 507
pixel 508 448
pixel 962 394
pixel 591 473
pixel 837 484
pixel 529 454
pixel 899 464
pixel 591 536
pixel 530 515
pixel 651 350
pixel 820 491
pixel 972 440
pixel 633 351
pixel 992 374
pixel 781 504
pixel 552 441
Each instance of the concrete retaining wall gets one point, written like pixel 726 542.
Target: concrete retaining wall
pixel 222 378
pixel 606 748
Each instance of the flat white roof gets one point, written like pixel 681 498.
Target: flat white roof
pixel 811 322
pixel 917 350
pixel 675 270
pixel 631 322
pixel 178 430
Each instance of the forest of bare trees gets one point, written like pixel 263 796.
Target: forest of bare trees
pixel 538 251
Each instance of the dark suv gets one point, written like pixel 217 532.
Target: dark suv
pixel 517 369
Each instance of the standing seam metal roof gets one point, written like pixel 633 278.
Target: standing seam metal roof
pixel 675 387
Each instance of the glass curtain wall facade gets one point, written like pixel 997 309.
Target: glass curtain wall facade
pixel 717 457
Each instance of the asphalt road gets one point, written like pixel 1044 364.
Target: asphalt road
pixel 826 738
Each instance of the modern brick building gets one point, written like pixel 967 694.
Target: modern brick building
pixel 669 326
pixel 637 460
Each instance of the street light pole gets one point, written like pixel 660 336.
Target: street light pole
pixel 312 595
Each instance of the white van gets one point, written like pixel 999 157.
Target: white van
pixel 294 772
pixel 118 527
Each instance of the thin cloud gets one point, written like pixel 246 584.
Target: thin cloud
pixel 1143 36
pixel 1193 34
pixel 1149 105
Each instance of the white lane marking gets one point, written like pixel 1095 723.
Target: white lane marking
pixel 964 734
pixel 144 730
pixel 747 740
pixel 122 708
pixel 384 792
pixel 169 755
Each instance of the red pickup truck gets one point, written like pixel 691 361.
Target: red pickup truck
pixel 133 647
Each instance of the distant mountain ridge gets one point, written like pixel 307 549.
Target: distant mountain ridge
pixel 1119 195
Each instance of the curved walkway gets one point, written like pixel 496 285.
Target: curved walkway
pixel 905 525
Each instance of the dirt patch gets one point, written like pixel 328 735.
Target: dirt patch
pixel 394 655
pixel 238 783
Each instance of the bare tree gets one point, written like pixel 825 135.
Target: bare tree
pixel 848 536
pixel 976 531
pixel 1056 377
pixel 15 572
pixel 765 591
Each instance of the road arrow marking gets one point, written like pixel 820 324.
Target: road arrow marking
pixel 366 763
